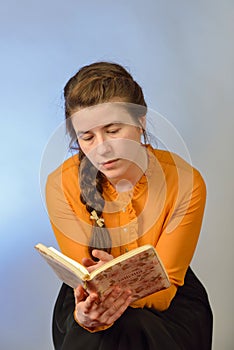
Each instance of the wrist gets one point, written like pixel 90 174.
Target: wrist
pixel 90 329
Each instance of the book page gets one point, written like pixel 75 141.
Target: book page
pixel 65 274
pixel 68 270
pixel 70 261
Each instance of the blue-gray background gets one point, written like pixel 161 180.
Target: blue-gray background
pixel 182 53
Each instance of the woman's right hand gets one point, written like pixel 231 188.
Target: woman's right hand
pixel 103 257
pixel 92 314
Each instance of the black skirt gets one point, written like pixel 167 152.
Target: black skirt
pixel 185 325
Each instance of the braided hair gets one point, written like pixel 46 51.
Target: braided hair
pixel 94 84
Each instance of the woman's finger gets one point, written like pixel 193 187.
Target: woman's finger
pixel 103 258
pixel 101 255
pixel 80 294
pixel 115 310
pixel 90 301
pixel 116 299
pixel 88 262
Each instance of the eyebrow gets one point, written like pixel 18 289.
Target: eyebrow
pixel 79 133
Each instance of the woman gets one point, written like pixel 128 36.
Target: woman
pixel 115 194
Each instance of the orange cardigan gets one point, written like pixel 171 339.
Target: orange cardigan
pixel 164 209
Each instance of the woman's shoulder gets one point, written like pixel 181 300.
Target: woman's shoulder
pixel 172 163
pixel 171 159
pixel 182 179
pixel 168 159
pixel 67 170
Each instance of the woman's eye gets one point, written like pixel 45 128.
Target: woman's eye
pixel 113 131
pixel 87 138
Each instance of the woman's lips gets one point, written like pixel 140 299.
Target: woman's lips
pixel 109 163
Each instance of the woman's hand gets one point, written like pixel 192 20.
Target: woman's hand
pixel 103 257
pixel 91 313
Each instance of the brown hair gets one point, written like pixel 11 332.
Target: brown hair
pixel 94 84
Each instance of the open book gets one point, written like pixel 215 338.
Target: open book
pixel 139 270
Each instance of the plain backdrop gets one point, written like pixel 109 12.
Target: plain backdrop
pixel 181 52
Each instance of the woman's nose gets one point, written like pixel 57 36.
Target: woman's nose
pixel 103 146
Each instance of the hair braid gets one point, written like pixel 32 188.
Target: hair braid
pixel 91 195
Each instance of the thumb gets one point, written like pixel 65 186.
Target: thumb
pixel 88 262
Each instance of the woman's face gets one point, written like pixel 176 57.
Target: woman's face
pixel 110 138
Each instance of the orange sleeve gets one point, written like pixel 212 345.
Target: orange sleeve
pixel 177 242
pixel 71 231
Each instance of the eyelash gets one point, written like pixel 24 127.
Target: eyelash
pixel 113 131
pixel 89 138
